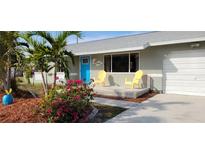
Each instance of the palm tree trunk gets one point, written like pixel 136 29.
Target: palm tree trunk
pixel 8 78
pixel 47 80
pixel 44 84
pixel 4 84
pixel 54 77
pixel 28 81
pixel 8 74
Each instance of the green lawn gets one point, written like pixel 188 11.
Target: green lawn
pixel 106 112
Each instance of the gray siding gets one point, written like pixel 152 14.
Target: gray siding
pixel 75 73
pixel 96 67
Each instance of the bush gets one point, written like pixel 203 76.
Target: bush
pixel 71 103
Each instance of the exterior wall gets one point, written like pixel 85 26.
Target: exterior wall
pixel 75 71
pixel 151 62
pixel 97 64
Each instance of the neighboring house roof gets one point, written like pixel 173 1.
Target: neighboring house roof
pixel 136 42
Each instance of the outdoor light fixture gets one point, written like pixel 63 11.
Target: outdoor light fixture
pixel 195 45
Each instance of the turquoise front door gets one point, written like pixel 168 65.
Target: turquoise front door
pixel 85 68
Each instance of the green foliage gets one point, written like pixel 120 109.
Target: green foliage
pixel 38 57
pixel 61 58
pixel 10 55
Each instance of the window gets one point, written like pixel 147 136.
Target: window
pixel 134 62
pixel 107 63
pixel 85 60
pixel 121 62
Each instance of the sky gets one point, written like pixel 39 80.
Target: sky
pixel 98 35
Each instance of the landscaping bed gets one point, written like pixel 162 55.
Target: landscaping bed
pixel 21 111
pixel 25 110
pixel 139 99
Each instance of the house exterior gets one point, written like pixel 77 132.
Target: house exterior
pixel 172 61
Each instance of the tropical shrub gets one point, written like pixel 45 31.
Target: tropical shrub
pixel 71 103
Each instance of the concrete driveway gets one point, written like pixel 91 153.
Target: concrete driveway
pixel 165 108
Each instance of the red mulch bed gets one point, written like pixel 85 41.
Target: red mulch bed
pixel 23 110
pixel 137 100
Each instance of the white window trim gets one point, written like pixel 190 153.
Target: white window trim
pixel 129 53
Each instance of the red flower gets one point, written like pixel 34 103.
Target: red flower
pixel 58 113
pixel 77 98
pixel 78 82
pixel 70 82
pixel 75 116
pixel 67 110
pixel 49 111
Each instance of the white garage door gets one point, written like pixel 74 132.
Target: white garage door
pixel 184 72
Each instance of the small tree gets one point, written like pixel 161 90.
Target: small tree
pixel 59 56
pixel 38 56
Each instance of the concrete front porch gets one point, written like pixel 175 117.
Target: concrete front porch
pixel 120 91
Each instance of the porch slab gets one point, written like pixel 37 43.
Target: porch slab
pixel 120 91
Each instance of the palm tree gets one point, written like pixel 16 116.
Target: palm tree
pixel 9 53
pixel 38 56
pixel 59 56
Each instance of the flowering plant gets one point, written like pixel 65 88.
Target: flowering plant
pixel 71 103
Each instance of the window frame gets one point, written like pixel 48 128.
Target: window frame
pixel 85 58
pixel 121 53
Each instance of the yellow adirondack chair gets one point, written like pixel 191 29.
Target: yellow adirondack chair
pixel 100 78
pixel 136 80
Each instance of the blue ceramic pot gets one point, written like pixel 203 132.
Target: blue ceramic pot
pixel 7 99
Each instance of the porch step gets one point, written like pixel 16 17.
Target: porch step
pixel 120 91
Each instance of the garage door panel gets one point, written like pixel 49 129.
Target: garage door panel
pixel 187 93
pixel 186 89
pixel 184 78
pixel 186 84
pixel 192 60
pixel 198 60
pixel 184 72
pixel 185 66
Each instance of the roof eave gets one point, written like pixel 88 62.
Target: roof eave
pixel 110 51
pixel 146 45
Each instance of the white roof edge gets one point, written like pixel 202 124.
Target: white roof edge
pixel 109 51
pixel 144 46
